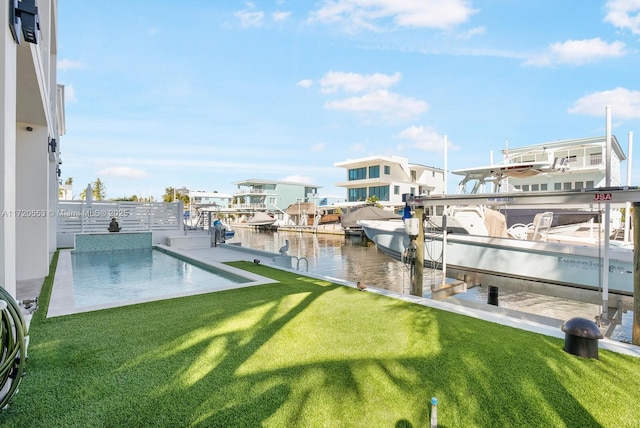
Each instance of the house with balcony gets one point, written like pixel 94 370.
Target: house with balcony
pixel 574 164
pixel 271 196
pixel 31 126
pixel 387 178
pixel 210 200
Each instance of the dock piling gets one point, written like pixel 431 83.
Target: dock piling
pixel 418 278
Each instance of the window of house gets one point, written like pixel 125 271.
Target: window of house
pixel 590 185
pixel 381 192
pixel 543 187
pixel 535 187
pixel 358 195
pixel 413 176
pixel 577 185
pixel 374 171
pixel 357 174
pixel 387 170
pixel 557 186
pixel 525 187
pixel 566 186
pixel 396 190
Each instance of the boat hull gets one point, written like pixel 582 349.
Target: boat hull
pixel 510 260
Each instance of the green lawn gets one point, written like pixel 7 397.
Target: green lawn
pixel 308 353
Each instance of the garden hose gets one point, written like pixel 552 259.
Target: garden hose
pixel 13 347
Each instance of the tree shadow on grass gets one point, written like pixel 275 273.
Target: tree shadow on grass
pixel 302 352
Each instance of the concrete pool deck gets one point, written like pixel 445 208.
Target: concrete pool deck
pixel 61 302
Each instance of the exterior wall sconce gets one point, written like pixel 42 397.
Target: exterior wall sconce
pixel 53 145
pixel 29 128
pixel 59 172
pixel 23 19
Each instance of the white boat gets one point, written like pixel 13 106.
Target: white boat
pixel 261 219
pixel 479 251
pixel 350 218
pixel 224 228
pixel 228 231
pixel 501 261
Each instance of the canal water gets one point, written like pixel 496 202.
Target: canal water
pixel 356 259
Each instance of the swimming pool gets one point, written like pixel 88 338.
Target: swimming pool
pixel 110 277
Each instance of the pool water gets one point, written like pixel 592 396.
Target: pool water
pixel 106 277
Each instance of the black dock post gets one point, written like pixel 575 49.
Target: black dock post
pixel 492 299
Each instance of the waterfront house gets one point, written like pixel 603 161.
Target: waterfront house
pixel 387 178
pixel 270 195
pixel 575 164
pixel 209 201
pixel 31 126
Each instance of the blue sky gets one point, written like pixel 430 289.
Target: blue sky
pixel 203 93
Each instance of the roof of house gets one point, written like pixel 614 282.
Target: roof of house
pixel 295 209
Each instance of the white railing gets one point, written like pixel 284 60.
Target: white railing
pixel 242 192
pixel 249 206
pixel 90 217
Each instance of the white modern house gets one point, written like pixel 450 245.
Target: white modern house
pixel 388 178
pixel 31 123
pixel 573 164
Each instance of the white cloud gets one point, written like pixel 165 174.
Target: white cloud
pixel 305 83
pixel 67 64
pixel 625 104
pixel 426 138
pixel 624 14
pixel 368 14
pixel 280 16
pixel 472 33
pixel 390 105
pixel 319 147
pixel 122 171
pixel 578 52
pixel 249 17
pixel 334 81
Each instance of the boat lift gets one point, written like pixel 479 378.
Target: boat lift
pixel 601 199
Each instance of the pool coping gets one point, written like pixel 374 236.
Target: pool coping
pixel 62 296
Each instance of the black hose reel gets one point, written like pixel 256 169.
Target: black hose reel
pixel 13 347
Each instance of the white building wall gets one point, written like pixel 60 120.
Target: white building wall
pixel 32 160
pixel 52 203
pixel 27 183
pixel 8 78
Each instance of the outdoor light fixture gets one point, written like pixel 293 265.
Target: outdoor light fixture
pixel 23 18
pixel 52 145
pixel 59 172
